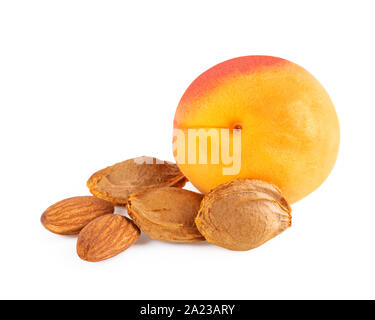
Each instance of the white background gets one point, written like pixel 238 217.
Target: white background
pixel 85 84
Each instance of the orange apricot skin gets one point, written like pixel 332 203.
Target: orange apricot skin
pixel 289 127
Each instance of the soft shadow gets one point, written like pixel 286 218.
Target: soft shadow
pixel 192 244
pixel 143 239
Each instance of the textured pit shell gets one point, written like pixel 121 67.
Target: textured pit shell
pixel 166 213
pixel 117 182
pixel 106 237
pixel 69 216
pixel 243 214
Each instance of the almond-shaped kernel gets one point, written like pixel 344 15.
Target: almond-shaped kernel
pixel 243 214
pixel 117 182
pixel 106 237
pixel 166 213
pixel 69 216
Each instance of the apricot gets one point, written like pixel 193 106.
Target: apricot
pixel 286 123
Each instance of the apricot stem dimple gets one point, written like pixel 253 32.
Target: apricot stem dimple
pixel 237 127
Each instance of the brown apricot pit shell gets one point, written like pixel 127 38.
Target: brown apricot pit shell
pixel 117 182
pixel 166 213
pixel 243 214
